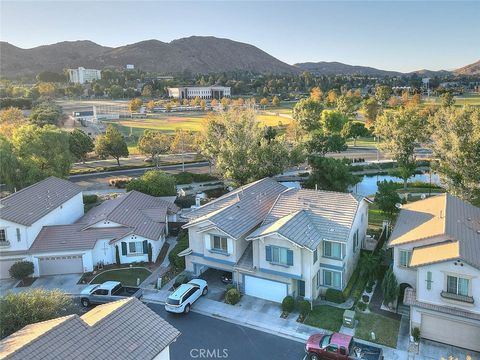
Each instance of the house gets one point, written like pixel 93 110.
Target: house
pixel 436 257
pixel 123 330
pixel 45 223
pixel 203 92
pixel 279 241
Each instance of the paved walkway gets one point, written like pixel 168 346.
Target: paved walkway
pixel 66 283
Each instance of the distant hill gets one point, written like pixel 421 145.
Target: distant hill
pixel 195 54
pixel 472 69
pixel 337 68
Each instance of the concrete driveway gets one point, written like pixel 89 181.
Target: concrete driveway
pixel 66 283
pixel 432 350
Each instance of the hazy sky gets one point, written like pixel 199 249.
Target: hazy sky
pixel 402 35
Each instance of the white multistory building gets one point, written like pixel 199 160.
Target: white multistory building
pixel 203 92
pixel 82 75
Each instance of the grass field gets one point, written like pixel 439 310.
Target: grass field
pixel 127 277
pixel 325 317
pixel 468 99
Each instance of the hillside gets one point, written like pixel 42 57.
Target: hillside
pixel 337 68
pixel 472 69
pixel 195 54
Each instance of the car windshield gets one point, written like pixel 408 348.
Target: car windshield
pixel 325 341
pixel 173 301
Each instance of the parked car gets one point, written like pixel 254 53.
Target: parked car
pixel 338 346
pixel 227 277
pixel 182 299
pixel 107 292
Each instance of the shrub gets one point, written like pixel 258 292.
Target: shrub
pixel 335 296
pixel 230 286
pixel 351 283
pixel 416 334
pixel 180 279
pixel 304 307
pixel 232 296
pixel 21 270
pixel 184 178
pixel 369 287
pixel 389 287
pixel 361 306
pixel 185 201
pixel 366 299
pixel 120 182
pixel 182 243
pixel 288 304
pixel 155 183
pixel 90 199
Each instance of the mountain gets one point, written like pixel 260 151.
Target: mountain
pixel 430 73
pixel 337 68
pixel 472 69
pixel 196 54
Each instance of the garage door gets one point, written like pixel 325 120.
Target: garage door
pixel 265 289
pixel 450 332
pixel 55 265
pixel 5 265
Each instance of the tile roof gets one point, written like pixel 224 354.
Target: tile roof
pixel 309 216
pixel 123 330
pixel 241 210
pixel 410 298
pixel 30 204
pixel 443 216
pixel 435 253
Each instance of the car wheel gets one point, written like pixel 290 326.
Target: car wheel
pixel 205 291
pixel 313 356
pixel 85 302
pixel 187 309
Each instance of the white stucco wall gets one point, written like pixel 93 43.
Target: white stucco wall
pixel 131 258
pixel 163 355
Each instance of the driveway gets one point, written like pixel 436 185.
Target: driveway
pixel 66 283
pixel 216 289
pixel 432 350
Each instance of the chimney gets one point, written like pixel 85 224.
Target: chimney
pixel 197 201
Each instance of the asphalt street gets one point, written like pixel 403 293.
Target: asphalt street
pixel 204 337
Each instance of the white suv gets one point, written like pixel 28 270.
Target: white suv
pixel 181 300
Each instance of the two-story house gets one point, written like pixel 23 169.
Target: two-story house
pixel 436 251
pixel 45 224
pixel 279 241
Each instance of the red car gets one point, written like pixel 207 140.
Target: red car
pixel 338 346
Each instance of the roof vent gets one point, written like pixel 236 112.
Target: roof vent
pixel 230 218
pixel 469 218
pixel 332 229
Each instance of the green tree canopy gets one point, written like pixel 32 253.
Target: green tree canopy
pixel 307 113
pixel 46 112
pixel 155 183
pixel 333 121
pixel 111 144
pixel 80 144
pixel 447 99
pixel 387 197
pixel 321 144
pixel 347 105
pixel 354 130
pixel 154 143
pixel 389 287
pixel 330 174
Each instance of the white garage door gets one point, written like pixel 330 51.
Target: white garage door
pixel 265 289
pixel 450 332
pixel 5 265
pixel 65 264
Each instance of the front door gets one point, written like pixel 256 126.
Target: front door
pixel 301 288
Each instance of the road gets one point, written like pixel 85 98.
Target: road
pixel 225 340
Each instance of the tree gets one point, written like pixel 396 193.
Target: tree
pixel 46 89
pixel 383 93
pixel 80 144
pixel 111 144
pixel 115 92
pixel 203 105
pixel 354 130
pixel 321 144
pixel 147 91
pixel 307 113
pixel 275 101
pixel 45 113
pixel 10 119
pixel 182 142
pixel 214 103
pixel 447 99
pixel 331 98
pixel 347 105
pixel 50 76
pixel 135 104
pixel 316 94
pixel 45 148
pixel 369 264
pixel 333 121
pixel 387 197
pixel 264 102
pixel 330 174
pixel 154 143
pixel 270 133
pixel 151 105
pixel 155 183
pixel 21 270
pixel 456 148
pixel 20 309
pixel 389 287
pixel 401 132
pixel 370 109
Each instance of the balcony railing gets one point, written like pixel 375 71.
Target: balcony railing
pixel 4 243
pixel 463 298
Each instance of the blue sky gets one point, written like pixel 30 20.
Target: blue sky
pixel 402 35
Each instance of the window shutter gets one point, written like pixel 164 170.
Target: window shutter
pixel 290 257
pixel 268 253
pixel 145 246
pixel 429 280
pixel 124 248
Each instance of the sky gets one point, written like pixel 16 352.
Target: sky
pixel 401 35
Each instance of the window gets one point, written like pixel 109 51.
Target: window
pixel 279 255
pixel 355 241
pixel 135 247
pixel 332 279
pixel 405 256
pixel 429 280
pixel 315 256
pixel 457 285
pixel 19 236
pixel 3 236
pixel 220 243
pixel 332 250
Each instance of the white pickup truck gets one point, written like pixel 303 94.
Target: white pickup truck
pixel 107 292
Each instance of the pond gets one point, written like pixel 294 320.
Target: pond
pixel 368 184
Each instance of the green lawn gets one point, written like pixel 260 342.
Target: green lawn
pixel 467 99
pixel 325 317
pixel 363 141
pixel 126 276
pixel 375 216
pixel 385 329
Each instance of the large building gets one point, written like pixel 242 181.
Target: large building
pixel 203 92
pixel 82 75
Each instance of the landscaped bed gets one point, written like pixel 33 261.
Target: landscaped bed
pixel 325 317
pixel 127 276
pixel 385 329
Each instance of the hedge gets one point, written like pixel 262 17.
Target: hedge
pixel 232 296
pixel 288 304
pixel 90 199
pixel 334 295
pixel 188 177
pixel 182 243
